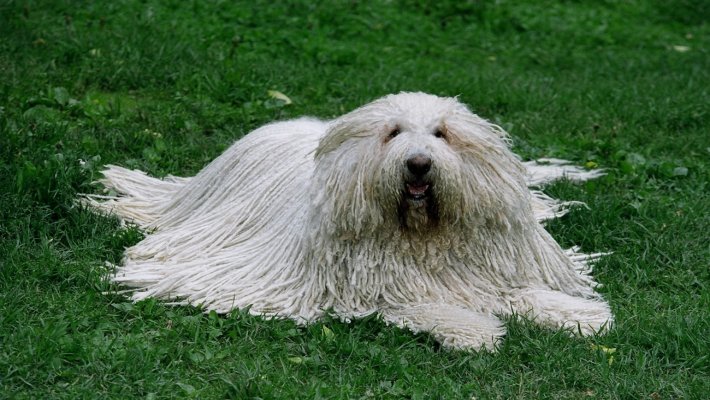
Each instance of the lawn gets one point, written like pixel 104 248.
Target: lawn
pixel 166 86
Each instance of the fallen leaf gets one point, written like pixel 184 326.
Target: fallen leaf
pixel 189 389
pixel 327 333
pixel 680 171
pixel 607 350
pixel 275 94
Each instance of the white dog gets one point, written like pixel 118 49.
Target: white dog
pixel 410 206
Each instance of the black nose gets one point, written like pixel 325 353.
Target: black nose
pixel 419 164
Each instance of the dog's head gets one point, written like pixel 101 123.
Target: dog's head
pixel 419 162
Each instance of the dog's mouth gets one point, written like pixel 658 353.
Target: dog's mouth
pixel 418 206
pixel 417 191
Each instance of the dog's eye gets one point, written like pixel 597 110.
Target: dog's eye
pixel 393 133
pixel 439 133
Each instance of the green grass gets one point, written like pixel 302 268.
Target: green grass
pixel 165 86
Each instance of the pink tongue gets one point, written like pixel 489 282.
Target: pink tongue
pixel 416 190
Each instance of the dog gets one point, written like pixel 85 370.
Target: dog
pixel 411 207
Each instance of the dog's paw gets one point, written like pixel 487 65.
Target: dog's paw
pixel 453 326
pixel 557 309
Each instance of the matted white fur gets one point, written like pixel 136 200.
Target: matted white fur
pixel 410 206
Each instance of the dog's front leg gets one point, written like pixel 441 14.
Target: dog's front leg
pixel 453 326
pixel 556 309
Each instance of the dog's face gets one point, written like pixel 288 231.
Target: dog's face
pixel 418 162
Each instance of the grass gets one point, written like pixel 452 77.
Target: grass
pixel 165 86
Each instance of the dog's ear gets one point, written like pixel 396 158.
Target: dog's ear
pixel 345 203
pixel 484 141
pixel 363 122
pixel 337 133
pixel 474 128
pixel 496 177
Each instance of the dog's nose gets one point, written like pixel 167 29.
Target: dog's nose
pixel 419 164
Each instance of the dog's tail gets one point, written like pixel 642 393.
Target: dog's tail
pixel 132 195
pixel 547 170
